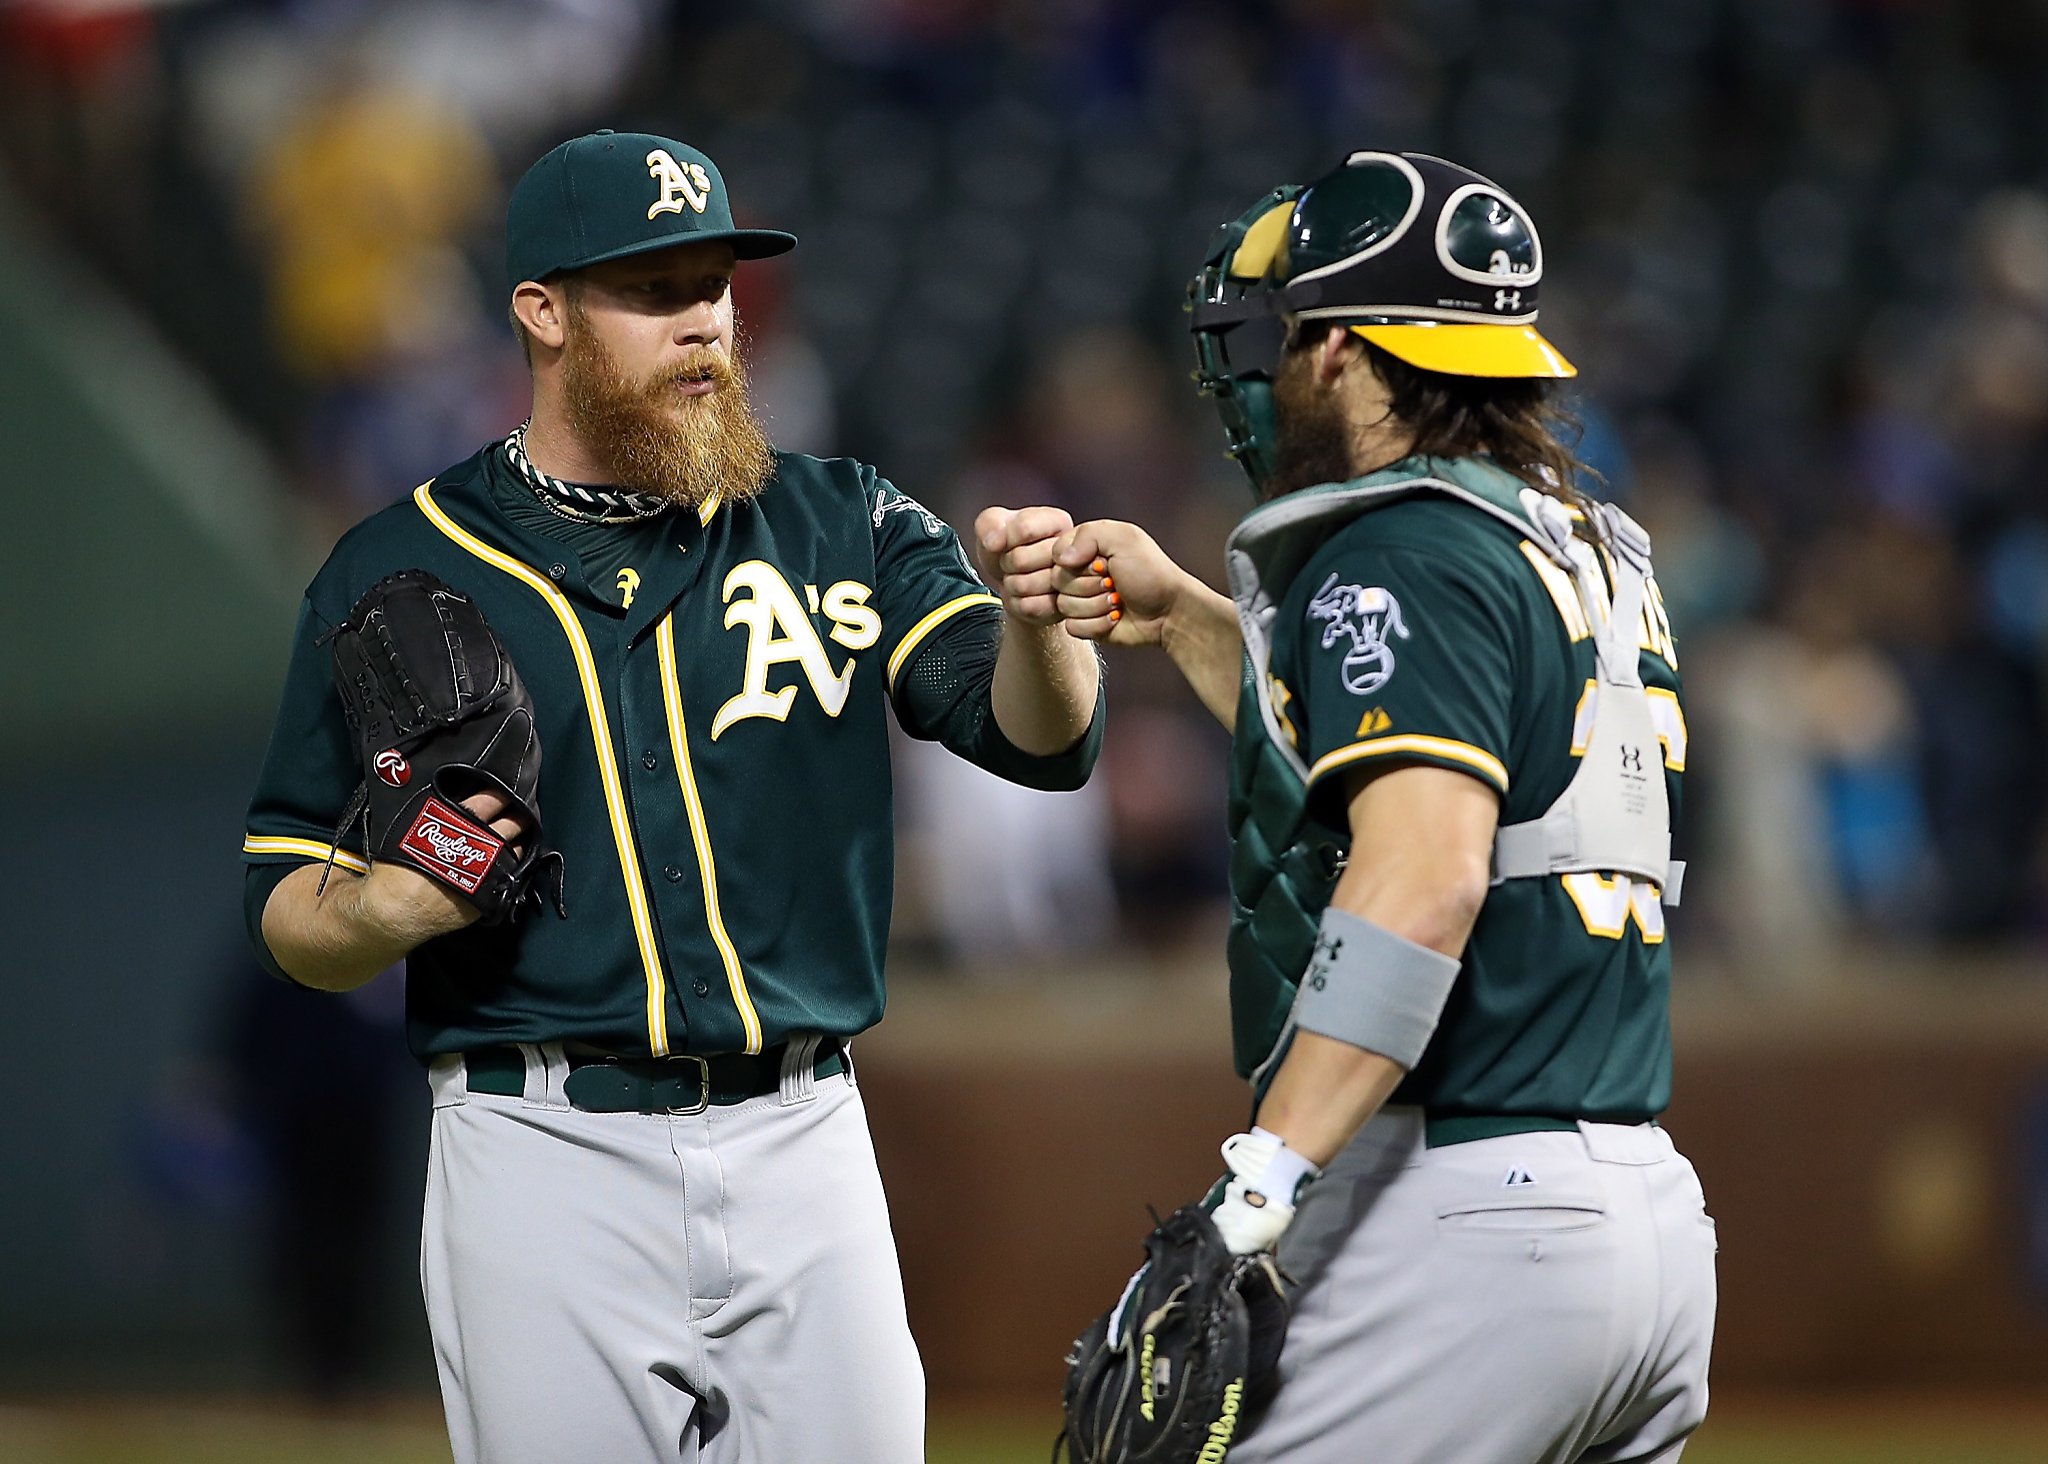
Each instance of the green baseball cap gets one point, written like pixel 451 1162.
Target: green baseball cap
pixel 610 194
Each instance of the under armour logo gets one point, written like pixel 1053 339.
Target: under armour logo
pixel 1326 950
pixel 1507 299
pixel 679 184
pixel 1632 759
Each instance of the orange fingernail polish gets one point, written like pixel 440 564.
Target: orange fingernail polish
pixel 1108 583
pixel 1099 566
pixel 1115 616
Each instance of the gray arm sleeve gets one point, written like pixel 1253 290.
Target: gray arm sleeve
pixel 1374 989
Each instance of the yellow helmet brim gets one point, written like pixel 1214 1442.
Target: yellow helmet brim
pixel 1470 350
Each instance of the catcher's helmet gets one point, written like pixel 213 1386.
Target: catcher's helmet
pixel 1429 261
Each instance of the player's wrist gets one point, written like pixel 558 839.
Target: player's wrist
pixel 1178 620
pixel 1265 1180
pixel 406 908
pixel 1195 617
pixel 1264 1165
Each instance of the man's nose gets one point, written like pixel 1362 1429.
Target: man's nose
pixel 699 325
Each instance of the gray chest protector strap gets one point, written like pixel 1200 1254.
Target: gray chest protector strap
pixel 1615 814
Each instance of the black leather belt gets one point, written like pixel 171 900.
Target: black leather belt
pixel 685 1083
pixel 1440 1130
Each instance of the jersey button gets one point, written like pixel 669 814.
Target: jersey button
pixel 556 571
pixel 701 986
pixel 649 761
pixel 672 874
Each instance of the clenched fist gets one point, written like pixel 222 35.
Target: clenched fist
pixel 1114 584
pixel 1015 546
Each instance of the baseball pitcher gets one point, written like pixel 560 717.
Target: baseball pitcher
pixel 592 730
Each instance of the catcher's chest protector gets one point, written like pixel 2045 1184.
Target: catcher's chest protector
pixel 1613 816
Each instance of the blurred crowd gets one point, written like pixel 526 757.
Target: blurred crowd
pixel 1799 249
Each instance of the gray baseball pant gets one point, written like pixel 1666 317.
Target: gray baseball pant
pixel 1538 1298
pixel 718 1287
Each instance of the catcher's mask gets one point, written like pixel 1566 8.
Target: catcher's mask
pixel 1429 261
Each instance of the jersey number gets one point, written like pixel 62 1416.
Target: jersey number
pixel 1608 902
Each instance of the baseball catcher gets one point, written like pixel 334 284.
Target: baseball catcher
pixel 439 714
pixel 1457 751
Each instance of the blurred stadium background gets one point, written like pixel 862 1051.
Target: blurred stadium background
pixel 249 292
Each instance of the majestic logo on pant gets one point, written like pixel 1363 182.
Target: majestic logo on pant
pixel 779 631
pixel 1367 616
pixel 680 184
pixel 450 847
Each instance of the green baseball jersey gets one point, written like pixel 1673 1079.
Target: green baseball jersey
pixel 710 690
pixel 1427 630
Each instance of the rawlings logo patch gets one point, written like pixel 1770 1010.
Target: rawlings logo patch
pixel 1368 617
pixel 449 847
pixel 392 767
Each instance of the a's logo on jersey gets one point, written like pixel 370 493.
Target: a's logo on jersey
pixel 629 581
pixel 1369 618
pixel 779 631
pixel 890 501
pixel 679 184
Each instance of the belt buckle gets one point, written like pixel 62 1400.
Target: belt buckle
pixel 704 1085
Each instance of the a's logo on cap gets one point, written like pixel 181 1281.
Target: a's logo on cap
pixel 679 184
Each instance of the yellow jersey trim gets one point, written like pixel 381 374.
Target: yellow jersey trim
pixel 700 832
pixel 707 508
pixel 1563 592
pixel 1478 759
pixel 601 740
pixel 931 623
pixel 1675 736
pixel 305 849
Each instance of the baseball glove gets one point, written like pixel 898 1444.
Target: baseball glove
pixel 438 713
pixel 1187 1358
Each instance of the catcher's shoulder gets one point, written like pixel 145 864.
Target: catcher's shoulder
pixel 1431 526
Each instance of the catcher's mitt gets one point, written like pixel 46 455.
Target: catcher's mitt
pixel 438 714
pixel 1187 1358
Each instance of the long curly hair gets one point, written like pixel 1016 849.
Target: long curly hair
pixel 1517 421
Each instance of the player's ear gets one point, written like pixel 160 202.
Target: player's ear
pixel 542 310
pixel 1335 352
